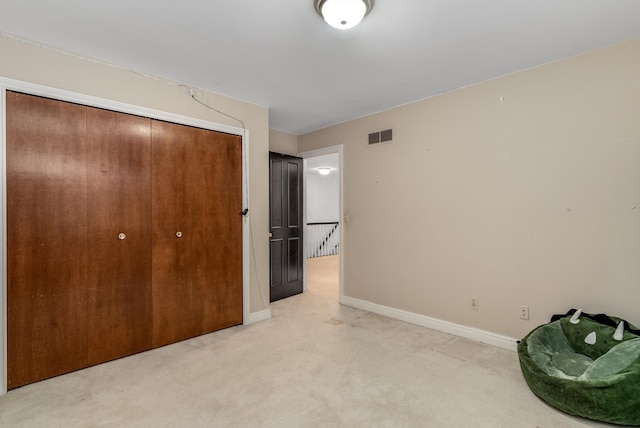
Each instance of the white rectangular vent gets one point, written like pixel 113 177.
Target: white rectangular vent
pixel 385 136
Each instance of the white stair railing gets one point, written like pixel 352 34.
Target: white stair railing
pixel 323 239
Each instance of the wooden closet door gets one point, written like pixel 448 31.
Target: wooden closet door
pixel 197 242
pixel 119 234
pixel 223 226
pixel 46 238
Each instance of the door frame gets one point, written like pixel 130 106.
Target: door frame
pixel 74 97
pixel 311 154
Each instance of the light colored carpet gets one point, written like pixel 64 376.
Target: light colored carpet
pixel 315 364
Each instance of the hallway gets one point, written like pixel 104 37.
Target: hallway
pixel 323 276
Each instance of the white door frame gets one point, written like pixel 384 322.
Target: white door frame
pixel 311 154
pixel 63 95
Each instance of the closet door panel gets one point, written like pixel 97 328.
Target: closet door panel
pixel 46 238
pixel 179 247
pixel 197 191
pixel 119 234
pixel 223 225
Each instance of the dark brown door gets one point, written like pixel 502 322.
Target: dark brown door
pixel 46 238
pixel 119 234
pixel 285 219
pixel 197 236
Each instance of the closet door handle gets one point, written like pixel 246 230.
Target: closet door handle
pixel 179 234
pixel 121 236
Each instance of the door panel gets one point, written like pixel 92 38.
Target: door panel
pixel 176 210
pixel 292 206
pixel 196 193
pixel 276 254
pixel 293 266
pixel 285 190
pixel 46 238
pixel 222 229
pixel 275 192
pixel 119 276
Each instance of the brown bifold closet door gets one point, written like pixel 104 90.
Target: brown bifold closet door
pixel 197 231
pixel 46 238
pixel 119 234
pixel 123 234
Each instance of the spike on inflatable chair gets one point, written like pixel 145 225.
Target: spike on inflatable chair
pixel 585 365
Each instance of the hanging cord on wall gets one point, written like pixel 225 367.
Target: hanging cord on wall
pixel 245 163
pixel 192 95
pixel 245 211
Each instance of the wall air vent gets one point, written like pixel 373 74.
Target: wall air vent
pixel 385 136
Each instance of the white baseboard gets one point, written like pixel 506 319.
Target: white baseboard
pixel 255 317
pixel 471 333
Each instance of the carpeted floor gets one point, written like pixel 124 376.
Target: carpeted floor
pixel 315 364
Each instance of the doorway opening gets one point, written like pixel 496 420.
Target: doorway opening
pixel 323 220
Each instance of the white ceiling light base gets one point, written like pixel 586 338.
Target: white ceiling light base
pixel 343 14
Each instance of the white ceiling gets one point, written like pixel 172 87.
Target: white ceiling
pixel 280 53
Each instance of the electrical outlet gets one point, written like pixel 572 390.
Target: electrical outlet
pixel 524 312
pixel 473 303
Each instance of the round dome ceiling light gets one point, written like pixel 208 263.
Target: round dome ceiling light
pixel 343 14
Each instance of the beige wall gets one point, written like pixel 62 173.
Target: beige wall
pixel 30 63
pixel 524 190
pixel 281 142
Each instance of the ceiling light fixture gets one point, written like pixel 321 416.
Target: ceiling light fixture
pixel 343 14
pixel 324 170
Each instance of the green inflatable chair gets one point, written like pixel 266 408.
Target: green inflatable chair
pixel 586 365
